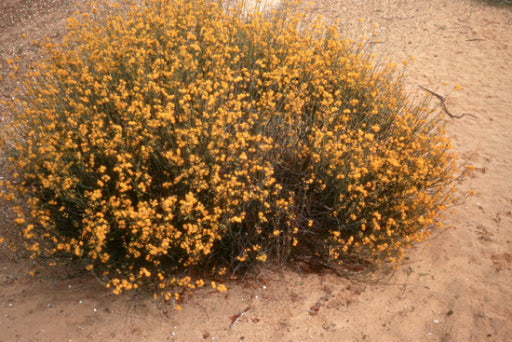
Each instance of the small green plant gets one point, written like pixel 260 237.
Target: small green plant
pixel 181 138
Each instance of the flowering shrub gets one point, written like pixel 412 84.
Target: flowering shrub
pixel 180 136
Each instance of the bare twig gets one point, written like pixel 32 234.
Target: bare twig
pixel 443 105
pixel 98 279
pixel 133 304
pixel 236 318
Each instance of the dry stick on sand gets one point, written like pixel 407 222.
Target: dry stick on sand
pixel 236 318
pixel 443 105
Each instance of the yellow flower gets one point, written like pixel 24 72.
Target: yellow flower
pixel 262 257
pixel 221 288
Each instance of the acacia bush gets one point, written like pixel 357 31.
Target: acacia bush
pixel 178 139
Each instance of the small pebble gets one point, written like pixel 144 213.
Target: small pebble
pixel 436 321
pixel 10 305
pixel 95 310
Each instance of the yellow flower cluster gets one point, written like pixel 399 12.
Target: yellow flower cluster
pixel 179 135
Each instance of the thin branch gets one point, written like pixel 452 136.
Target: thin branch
pixel 236 318
pixel 443 105
pixel 133 304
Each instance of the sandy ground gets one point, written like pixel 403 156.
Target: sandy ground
pixel 456 287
